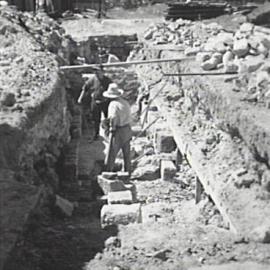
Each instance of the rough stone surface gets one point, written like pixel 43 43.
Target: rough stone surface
pixel 148 172
pixel 116 214
pixel 261 234
pixel 240 47
pixel 164 142
pixel 110 185
pixel 120 197
pixel 168 170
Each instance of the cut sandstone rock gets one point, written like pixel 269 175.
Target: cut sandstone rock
pixel 116 214
pixel 168 170
pixel 164 142
pixel 120 197
pixel 111 185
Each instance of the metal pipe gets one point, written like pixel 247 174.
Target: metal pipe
pixel 122 64
pixel 200 74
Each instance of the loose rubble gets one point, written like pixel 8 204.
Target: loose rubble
pixel 244 51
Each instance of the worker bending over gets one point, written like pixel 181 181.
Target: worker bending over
pixel 95 85
pixel 119 114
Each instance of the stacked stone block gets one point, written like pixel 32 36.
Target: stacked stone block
pixel 121 198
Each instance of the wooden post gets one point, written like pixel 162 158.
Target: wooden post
pixel 198 191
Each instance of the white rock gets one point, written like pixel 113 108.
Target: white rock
pixel 230 66
pixel 192 51
pixel 262 49
pixel 262 76
pixel 218 57
pixel 203 56
pixel 227 57
pixel 210 64
pixel 261 234
pixel 120 197
pixel 241 47
pixel 116 214
pixel 246 27
pixel 253 63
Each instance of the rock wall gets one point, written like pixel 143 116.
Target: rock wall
pixel 34 117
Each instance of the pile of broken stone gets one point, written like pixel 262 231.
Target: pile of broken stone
pixel 29 45
pixel 244 51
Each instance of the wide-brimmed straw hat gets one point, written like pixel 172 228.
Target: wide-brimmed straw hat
pixel 113 91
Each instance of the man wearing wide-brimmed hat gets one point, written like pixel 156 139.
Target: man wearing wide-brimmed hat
pixel 119 114
pixel 94 87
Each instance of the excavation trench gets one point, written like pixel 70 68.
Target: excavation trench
pixel 175 232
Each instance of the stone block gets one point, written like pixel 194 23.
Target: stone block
pixel 120 197
pixel 109 175
pixel 241 47
pixel 116 214
pixel 110 185
pixel 164 142
pixel 123 176
pixel 167 170
pixel 246 27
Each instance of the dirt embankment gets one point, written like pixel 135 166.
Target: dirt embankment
pixel 34 116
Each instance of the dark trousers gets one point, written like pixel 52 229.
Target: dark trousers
pixel 97 109
pixel 120 141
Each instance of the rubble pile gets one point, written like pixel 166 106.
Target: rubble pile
pixel 244 51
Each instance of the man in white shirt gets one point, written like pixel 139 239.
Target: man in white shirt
pixel 119 114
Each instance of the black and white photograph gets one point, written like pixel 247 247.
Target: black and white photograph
pixel 135 135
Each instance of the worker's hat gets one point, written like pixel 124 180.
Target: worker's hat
pixel 113 91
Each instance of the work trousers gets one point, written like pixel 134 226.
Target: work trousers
pixel 120 141
pixel 97 109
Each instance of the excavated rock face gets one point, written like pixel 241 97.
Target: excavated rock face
pixel 34 117
pixel 34 110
